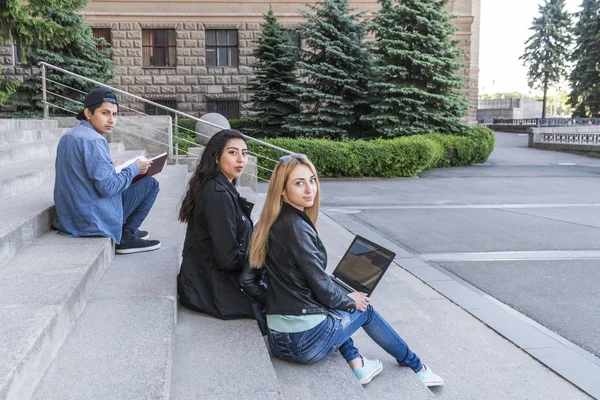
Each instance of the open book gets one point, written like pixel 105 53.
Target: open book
pixel 158 163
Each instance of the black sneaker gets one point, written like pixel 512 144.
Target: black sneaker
pixel 144 235
pixel 136 245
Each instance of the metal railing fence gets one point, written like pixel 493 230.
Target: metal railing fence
pixel 539 122
pixel 175 132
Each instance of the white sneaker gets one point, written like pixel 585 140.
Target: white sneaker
pixel 429 378
pixel 368 371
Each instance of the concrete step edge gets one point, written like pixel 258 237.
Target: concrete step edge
pixel 43 349
pixel 29 135
pixel 10 123
pixel 25 176
pixel 31 227
pixel 138 296
pixel 251 376
pixel 14 153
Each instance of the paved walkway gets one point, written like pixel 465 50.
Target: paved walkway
pixel 475 361
pixel 522 230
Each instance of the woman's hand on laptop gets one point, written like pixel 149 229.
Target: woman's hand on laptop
pixel 361 300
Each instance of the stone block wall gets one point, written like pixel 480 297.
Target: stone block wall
pixel 190 83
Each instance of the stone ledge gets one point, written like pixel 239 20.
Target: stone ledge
pixel 40 304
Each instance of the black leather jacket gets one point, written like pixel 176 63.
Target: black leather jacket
pixel 295 268
pixel 215 252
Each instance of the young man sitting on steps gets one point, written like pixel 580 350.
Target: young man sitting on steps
pixel 91 198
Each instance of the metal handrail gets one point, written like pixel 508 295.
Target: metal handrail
pixel 143 137
pixel 46 111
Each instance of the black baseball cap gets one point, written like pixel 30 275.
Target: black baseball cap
pixel 97 96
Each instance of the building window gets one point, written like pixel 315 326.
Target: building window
pixel 230 109
pixel 150 109
pixel 222 48
pixel 102 33
pixel 159 47
pixel 16 55
pixel 295 39
pixel 17 59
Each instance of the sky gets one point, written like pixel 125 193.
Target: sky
pixel 504 29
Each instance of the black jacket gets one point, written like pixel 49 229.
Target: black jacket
pixel 215 251
pixel 295 268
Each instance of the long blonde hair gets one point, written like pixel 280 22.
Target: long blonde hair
pixel 272 207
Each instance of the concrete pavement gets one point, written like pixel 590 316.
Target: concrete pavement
pixel 465 227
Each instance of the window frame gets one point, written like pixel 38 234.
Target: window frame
pixel 294 37
pixel 215 47
pixel 227 103
pixel 96 34
pixel 168 63
pixel 171 103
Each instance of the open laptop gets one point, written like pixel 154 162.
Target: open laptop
pixel 363 266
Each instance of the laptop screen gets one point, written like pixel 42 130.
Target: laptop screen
pixel 363 265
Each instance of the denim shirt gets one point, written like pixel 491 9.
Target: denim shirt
pixel 87 189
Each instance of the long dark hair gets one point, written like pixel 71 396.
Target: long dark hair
pixel 207 169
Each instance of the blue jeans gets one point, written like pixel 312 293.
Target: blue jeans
pixel 138 199
pixel 335 333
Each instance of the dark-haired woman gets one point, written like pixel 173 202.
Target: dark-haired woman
pixel 218 232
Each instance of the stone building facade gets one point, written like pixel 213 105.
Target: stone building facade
pixel 195 56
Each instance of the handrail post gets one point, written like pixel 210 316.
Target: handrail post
pixel 44 97
pixel 176 133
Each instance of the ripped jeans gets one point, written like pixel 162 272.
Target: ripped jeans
pixel 335 333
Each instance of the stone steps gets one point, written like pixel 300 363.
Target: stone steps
pixel 7 124
pixel 122 345
pixel 23 136
pixel 17 152
pixel 216 359
pixel 25 218
pixel 42 292
pixel 45 278
pixel 328 379
pixel 24 176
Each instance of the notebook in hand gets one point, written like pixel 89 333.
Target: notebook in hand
pixel 363 266
pixel 158 164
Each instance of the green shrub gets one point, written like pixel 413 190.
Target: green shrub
pixel 470 147
pixel 187 134
pixel 239 124
pixel 384 158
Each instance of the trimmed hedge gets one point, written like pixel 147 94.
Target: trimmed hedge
pixel 385 158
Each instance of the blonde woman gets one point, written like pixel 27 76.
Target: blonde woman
pixel 308 317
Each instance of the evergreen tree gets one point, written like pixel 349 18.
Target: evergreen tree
pixel 585 76
pixel 272 90
pixel 335 69
pixel 54 31
pixel 547 50
pixel 416 87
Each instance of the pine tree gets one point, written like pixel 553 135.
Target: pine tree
pixel 272 90
pixel 547 50
pixel 56 33
pixel 416 87
pixel 585 76
pixel 335 68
